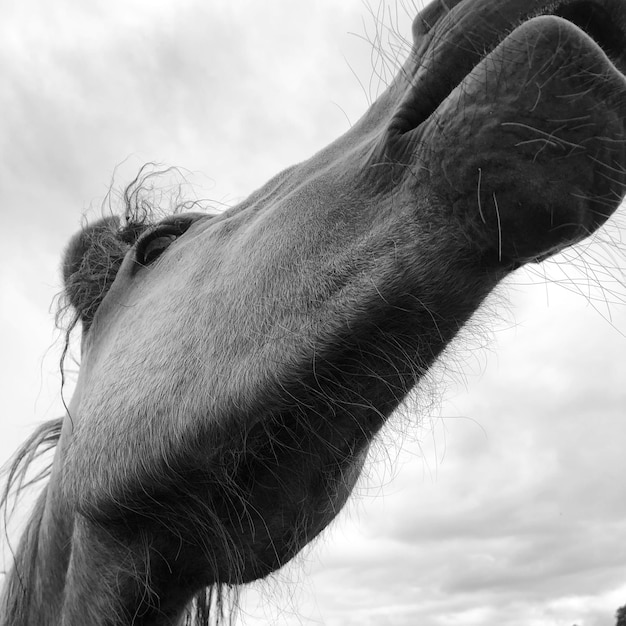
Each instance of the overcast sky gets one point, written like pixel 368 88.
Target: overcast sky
pixel 508 505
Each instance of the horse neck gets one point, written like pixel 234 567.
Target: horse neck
pixel 54 580
pixel 66 572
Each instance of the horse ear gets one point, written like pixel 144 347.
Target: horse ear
pixel 90 263
pixel 80 243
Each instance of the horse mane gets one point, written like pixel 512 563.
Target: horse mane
pixel 19 586
pixel 90 264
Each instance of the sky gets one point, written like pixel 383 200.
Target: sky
pixel 497 495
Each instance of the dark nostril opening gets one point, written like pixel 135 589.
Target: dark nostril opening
pixel 600 25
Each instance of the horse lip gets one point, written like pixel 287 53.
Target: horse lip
pixel 540 116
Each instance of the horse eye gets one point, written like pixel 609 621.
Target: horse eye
pixel 150 248
pixel 155 240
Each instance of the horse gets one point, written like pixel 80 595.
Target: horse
pixel 235 368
